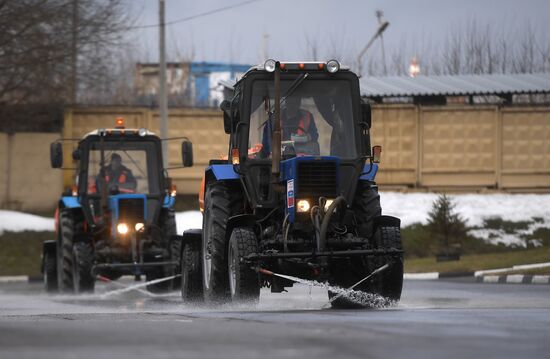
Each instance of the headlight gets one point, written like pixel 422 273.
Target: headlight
pixel 333 66
pixel 303 205
pixel 139 227
pixel 122 228
pixel 269 65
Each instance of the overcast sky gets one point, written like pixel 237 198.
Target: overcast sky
pixel 342 26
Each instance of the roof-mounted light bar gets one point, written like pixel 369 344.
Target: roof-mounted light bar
pixel 331 66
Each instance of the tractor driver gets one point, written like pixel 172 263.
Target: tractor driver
pixel 118 177
pixel 298 126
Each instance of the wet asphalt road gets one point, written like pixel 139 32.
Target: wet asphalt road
pixel 453 319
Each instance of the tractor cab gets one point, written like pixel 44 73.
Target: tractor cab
pixel 311 120
pixel 119 214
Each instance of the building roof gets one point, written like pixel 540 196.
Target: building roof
pixel 455 85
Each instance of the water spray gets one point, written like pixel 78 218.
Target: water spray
pixel 359 297
pixel 138 286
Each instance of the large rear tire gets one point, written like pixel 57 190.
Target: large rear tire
pixel 65 251
pixel 244 283
pixel 366 206
pixel 221 202
pixel 83 260
pixel 191 273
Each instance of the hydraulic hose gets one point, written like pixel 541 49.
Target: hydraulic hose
pixel 326 220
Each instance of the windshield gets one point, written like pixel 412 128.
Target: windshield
pixel 316 119
pixel 129 168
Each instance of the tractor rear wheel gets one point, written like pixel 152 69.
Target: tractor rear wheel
pixel 191 273
pixel 65 251
pixel 83 260
pixel 50 272
pixel 244 283
pixel 366 206
pixel 221 202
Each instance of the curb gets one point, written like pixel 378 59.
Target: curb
pixel 515 279
pixel 21 279
pixel 436 275
pixel 14 279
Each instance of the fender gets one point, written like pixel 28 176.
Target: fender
pixel 223 172
pixel 241 220
pixel 386 221
pixel 192 236
pixel 369 176
pixel 70 202
pixel 216 172
pixel 48 247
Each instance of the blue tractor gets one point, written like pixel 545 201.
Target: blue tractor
pixel 296 194
pixel 118 219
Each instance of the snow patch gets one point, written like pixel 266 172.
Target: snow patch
pixel 188 220
pixel 474 208
pixel 18 222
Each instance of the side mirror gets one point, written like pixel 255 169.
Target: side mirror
pixel 76 155
pixel 376 154
pixel 187 153
pixel 168 184
pixel 56 155
pixel 229 119
pixel 366 114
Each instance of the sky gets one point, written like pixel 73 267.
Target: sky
pixel 338 28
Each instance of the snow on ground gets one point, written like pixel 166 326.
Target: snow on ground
pixel 18 222
pixel 410 207
pixel 474 208
pixel 414 207
pixel 188 220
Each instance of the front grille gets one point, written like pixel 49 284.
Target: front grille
pixel 317 179
pixel 131 210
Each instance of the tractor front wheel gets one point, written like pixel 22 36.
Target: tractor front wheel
pixel 221 202
pixel 83 260
pixel 244 283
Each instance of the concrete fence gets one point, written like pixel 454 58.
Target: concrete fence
pixel 453 147
pixel 464 147
pixel 27 183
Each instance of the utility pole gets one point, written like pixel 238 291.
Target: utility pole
pixel 163 102
pixel 379 14
pixel 74 52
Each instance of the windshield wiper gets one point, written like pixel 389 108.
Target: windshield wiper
pixel 135 164
pixel 293 86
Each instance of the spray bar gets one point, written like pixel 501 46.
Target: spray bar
pixel 358 252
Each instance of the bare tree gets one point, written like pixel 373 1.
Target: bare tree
pixel 54 50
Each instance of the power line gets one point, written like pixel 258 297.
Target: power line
pixel 192 17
